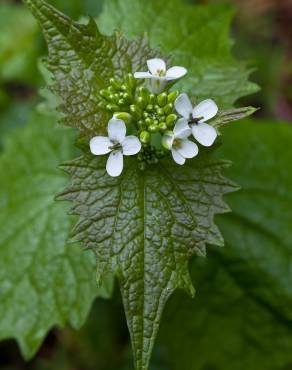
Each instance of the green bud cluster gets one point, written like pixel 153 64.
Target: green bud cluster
pixel 148 113
pixel 119 95
pixel 153 113
pixel 149 155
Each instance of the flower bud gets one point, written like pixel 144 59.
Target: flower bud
pixel 144 93
pixel 131 81
pixel 152 99
pixel 111 90
pixel 124 116
pixel 127 97
pixel 168 108
pixel 105 94
pixel 121 102
pixel 153 128
pixel 172 96
pixel 149 107
pixel 145 137
pixel 135 111
pixel 162 99
pixel 171 118
pixel 162 126
pixel 148 121
pixel 115 83
pixel 142 125
pixel 141 102
pixel 112 98
pixel 160 111
pixel 112 107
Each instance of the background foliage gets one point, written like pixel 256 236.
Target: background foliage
pixel 241 316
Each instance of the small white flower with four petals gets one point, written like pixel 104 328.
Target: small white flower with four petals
pixel 177 141
pixel 159 76
pixel 117 144
pixel 204 133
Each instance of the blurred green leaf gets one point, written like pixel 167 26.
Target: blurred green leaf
pixel 15 115
pixel 78 8
pixel 19 43
pixel 196 35
pixel 241 317
pixel 43 280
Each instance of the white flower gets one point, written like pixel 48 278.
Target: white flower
pixel 177 141
pixel 205 134
pixel 159 76
pixel 117 144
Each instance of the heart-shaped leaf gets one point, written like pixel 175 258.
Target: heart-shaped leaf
pixel 145 225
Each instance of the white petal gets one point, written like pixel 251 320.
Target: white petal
pixel 100 145
pixel 167 140
pixel 183 105
pixel 174 73
pixel 188 149
pixel 116 130
pixel 155 65
pixel 142 75
pixel 177 157
pixel 182 129
pixel 206 109
pixel 115 163
pixel 205 134
pixel 131 145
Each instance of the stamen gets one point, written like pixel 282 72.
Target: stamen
pixel 160 73
pixel 115 146
pixel 195 121
pixel 177 143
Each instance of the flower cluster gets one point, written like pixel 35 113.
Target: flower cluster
pixel 163 121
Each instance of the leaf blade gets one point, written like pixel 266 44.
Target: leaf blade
pixel 143 229
pixel 201 43
pixel 82 61
pixel 44 281
pixel 244 290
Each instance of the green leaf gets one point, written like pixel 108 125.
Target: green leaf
pixel 77 8
pixel 232 115
pixel 43 280
pixel 241 317
pixel 15 115
pixel 197 36
pixel 82 61
pixel 144 227
pixel 19 47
